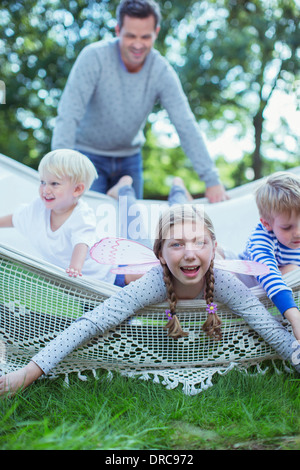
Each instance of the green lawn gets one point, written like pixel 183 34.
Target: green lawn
pixel 241 411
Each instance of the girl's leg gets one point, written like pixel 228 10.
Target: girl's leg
pixel 178 193
pixel 103 166
pixel 131 221
pixel 111 169
pixel 131 213
pixel 132 166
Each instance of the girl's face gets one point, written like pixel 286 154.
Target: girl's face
pixel 58 194
pixel 188 251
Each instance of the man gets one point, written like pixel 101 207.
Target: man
pixel 112 88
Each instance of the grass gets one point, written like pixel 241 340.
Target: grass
pixel 240 411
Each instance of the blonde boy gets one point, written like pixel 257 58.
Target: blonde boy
pixel 276 240
pixel 59 224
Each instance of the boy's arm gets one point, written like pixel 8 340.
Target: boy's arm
pixel 6 221
pixel 77 260
pixel 293 316
pixel 261 248
pixel 285 302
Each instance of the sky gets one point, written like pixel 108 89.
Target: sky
pixel 228 144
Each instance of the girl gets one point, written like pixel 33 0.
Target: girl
pixel 186 246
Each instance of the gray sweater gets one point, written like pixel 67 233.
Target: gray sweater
pixel 104 108
pixel 151 289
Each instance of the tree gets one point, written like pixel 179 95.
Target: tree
pixel 231 56
pixel 236 54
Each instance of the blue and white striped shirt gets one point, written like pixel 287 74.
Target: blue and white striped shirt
pixel 263 246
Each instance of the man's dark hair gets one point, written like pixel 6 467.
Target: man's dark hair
pixel 138 9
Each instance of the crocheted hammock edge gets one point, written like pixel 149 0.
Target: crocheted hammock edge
pixel 37 301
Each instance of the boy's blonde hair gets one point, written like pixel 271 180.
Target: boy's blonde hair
pixel 279 193
pixel 70 163
pixel 179 214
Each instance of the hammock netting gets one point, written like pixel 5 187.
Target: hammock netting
pixel 38 300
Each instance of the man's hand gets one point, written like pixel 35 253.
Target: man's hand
pixel 216 193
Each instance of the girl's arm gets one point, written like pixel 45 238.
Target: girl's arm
pixel 232 292
pixel 149 289
pixel 19 379
pixel 77 260
pixel 6 221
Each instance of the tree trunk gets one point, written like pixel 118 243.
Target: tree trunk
pixel 256 156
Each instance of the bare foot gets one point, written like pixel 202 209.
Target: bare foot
pixel 11 383
pixel 123 181
pixel 177 181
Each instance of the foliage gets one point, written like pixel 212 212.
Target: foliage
pixel 41 40
pixel 161 164
pixel 232 56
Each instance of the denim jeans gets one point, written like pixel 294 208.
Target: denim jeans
pixel 127 199
pixel 110 170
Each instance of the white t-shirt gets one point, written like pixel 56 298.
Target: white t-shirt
pixel 56 247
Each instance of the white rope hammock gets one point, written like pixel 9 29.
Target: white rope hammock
pixel 38 300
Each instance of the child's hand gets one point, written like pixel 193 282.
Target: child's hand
pixel 73 272
pixel 77 260
pixel 293 316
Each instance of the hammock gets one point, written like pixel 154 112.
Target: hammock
pixel 38 300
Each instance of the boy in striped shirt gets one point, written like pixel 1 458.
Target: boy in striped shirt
pixel 276 240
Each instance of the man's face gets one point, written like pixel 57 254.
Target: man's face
pixel 137 37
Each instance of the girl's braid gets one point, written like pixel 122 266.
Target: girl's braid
pixel 173 325
pixel 212 325
pixel 210 283
pixel 171 297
